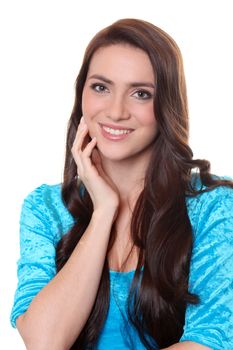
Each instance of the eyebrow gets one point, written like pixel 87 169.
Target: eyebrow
pixel 133 84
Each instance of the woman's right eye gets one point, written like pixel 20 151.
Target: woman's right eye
pixel 100 88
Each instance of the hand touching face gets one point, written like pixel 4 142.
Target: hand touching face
pixel 90 171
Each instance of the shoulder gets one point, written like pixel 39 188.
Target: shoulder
pixel 44 205
pixel 44 199
pixel 211 216
pixel 44 192
pixel 211 206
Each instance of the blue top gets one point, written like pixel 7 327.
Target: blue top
pixel 44 219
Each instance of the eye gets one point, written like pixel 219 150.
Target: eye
pixel 142 94
pixel 100 88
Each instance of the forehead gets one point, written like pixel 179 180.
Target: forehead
pixel 121 61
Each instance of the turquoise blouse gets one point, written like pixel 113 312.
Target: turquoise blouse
pixel 44 219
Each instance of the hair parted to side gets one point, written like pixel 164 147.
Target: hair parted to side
pixel 157 302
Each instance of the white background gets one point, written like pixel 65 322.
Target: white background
pixel 42 44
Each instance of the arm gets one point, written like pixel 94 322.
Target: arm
pixel 62 307
pixel 211 272
pixel 187 345
pixel 60 310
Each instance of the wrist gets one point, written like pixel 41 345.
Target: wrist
pixel 105 213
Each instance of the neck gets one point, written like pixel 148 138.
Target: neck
pixel 128 176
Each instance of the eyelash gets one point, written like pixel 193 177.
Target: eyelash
pixel 144 92
pixel 96 87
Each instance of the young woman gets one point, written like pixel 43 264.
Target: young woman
pixel 134 249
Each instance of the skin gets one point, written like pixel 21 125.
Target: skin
pixel 110 170
pixel 109 97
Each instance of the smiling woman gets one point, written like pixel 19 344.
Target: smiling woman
pixel 134 248
pixel 118 104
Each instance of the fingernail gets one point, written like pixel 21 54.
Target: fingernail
pixel 83 126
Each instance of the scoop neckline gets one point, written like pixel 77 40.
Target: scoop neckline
pixel 124 272
pixel 121 272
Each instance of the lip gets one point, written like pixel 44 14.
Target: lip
pixel 116 127
pixel 111 137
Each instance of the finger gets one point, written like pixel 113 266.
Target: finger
pixel 83 158
pixel 78 146
pixel 82 125
pixel 87 164
pixel 89 148
pixel 80 136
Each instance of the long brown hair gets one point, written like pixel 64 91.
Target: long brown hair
pixel 157 300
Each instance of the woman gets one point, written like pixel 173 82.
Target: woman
pixel 134 250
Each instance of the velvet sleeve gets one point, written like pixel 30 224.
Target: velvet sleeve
pixel 210 323
pixel 40 230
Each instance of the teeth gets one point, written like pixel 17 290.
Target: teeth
pixel 115 132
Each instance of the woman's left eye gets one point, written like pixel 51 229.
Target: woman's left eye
pixel 142 95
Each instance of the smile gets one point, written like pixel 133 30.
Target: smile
pixel 116 131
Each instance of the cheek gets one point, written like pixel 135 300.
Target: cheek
pixel 91 105
pixel 85 102
pixel 145 115
pixel 90 109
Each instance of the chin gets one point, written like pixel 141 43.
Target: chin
pixel 111 156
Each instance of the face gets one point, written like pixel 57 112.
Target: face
pixel 117 102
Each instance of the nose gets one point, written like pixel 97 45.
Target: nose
pixel 118 109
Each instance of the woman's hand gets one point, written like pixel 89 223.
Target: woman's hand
pixel 102 190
